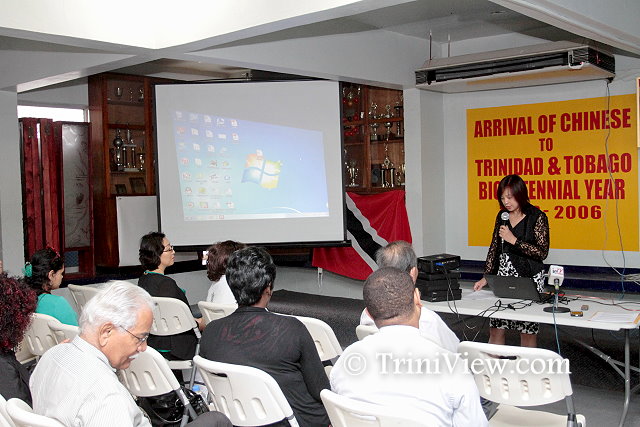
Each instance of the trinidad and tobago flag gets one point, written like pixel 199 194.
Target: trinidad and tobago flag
pixel 372 222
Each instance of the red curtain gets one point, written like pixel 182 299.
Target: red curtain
pixel 373 221
pixel 42 195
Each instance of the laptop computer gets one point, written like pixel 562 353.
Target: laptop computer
pixel 513 287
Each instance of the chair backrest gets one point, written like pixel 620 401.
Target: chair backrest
pixel 23 354
pixel 323 336
pixel 5 419
pixel 363 331
pixel 23 416
pixel 148 375
pixel 212 310
pixel 172 317
pixel 248 396
pixel 38 336
pixel 62 331
pixel 82 294
pixel 346 412
pixel 517 376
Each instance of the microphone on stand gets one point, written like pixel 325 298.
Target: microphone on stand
pixel 504 216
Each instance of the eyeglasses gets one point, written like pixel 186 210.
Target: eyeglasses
pixel 168 249
pixel 141 339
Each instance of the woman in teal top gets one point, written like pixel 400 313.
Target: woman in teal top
pixel 44 273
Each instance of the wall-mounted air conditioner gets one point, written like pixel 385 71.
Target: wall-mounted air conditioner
pixel 549 63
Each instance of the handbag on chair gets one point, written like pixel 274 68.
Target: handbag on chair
pixel 166 409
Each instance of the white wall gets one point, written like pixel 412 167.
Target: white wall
pixel 11 236
pixel 74 93
pixel 455 146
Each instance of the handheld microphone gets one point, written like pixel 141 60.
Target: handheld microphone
pixel 504 216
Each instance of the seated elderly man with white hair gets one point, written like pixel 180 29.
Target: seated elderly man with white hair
pixel 76 383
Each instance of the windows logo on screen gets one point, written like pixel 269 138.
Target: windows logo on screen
pixel 263 172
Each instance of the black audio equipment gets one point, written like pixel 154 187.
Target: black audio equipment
pixel 438 263
pixel 455 274
pixel 437 296
pixel 436 285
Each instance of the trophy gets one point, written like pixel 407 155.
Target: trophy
pixel 353 172
pixel 388 126
pixel 351 103
pixel 388 170
pixel 374 131
pixel 141 162
pixel 373 111
pixel 118 152
pixel 399 130
pixel 400 174
pixel 130 156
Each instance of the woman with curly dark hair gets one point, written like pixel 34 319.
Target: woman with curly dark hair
pixel 217 256
pixel 44 273
pixel 17 304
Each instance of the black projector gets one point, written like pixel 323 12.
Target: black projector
pixel 438 263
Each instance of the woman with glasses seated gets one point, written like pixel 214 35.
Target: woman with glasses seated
pixel 156 254
pixel 44 273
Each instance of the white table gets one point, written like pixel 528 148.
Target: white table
pixel 478 304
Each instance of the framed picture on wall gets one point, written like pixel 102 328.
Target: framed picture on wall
pixel 121 189
pixel 137 185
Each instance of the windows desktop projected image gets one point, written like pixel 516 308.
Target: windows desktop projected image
pixel 234 169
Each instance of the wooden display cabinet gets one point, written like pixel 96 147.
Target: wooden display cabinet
pixel 373 132
pixel 121 109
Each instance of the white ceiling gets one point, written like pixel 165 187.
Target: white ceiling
pixel 443 20
pixel 31 59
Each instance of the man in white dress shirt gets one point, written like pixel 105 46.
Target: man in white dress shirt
pixel 76 382
pixel 400 368
pixel 400 255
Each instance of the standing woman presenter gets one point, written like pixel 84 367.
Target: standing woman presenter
pixel 518 247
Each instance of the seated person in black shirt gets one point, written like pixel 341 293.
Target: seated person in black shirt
pixel 17 304
pixel 156 254
pixel 278 345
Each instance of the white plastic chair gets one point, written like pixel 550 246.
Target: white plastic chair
pixel 5 419
pixel 248 396
pixel 23 354
pixel 149 374
pixel 23 416
pixel 213 311
pixel 82 294
pixel 174 317
pixel 522 376
pixel 62 331
pixel 363 331
pixel 346 412
pixel 325 340
pixel 38 336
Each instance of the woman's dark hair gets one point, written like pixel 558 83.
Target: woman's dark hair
pixel 41 263
pixel 518 191
pixel 217 256
pixel 17 304
pixel 151 249
pixel 249 272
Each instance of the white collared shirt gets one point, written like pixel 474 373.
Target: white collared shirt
pixel 75 384
pixel 432 327
pixel 398 367
pixel 219 292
